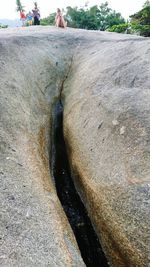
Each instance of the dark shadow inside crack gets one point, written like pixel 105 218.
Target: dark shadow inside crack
pixel 78 218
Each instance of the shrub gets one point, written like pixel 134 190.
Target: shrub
pixel 145 30
pixel 132 28
pixel 3 26
pixel 50 20
pixel 121 28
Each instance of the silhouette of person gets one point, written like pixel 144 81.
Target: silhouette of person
pixel 36 14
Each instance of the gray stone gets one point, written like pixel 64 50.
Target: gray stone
pixel 34 228
pixel 106 126
pixel 109 82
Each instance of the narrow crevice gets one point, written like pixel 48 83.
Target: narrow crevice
pixel 65 78
pixel 86 237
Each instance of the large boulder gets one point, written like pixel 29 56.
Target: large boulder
pixel 104 80
pixel 107 131
pixel 34 228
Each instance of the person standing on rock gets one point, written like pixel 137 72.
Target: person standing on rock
pixel 59 20
pixel 22 17
pixel 36 14
pixel 29 18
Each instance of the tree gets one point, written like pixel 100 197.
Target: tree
pixel 141 20
pixel 115 19
pixel 143 16
pixel 2 26
pixel 50 20
pixel 147 3
pixel 19 5
pixel 104 12
pixel 95 18
pixel 74 17
pixel 93 22
pixel 139 23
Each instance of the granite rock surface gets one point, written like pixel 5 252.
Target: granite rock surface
pixel 106 83
pixel 107 130
pixel 34 228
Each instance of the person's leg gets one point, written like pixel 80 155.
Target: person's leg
pixel 63 23
pixel 23 22
pixel 34 21
pixel 37 22
pixel 58 22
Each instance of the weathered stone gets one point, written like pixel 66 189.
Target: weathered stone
pixel 106 124
pixel 34 229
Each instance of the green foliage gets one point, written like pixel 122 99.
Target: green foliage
pixel 115 19
pixel 121 28
pixel 141 20
pixel 147 3
pixel 104 18
pixel 3 26
pixel 19 6
pixel 81 18
pixel 50 20
pixel 143 30
pixel 139 24
pixel 131 28
pixel 142 17
pixel 95 18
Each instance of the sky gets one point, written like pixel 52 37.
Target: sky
pixel 125 7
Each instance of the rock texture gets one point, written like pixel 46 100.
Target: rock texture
pixel 107 129
pixel 34 229
pixel 106 79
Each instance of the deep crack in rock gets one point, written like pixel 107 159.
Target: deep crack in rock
pixel 86 237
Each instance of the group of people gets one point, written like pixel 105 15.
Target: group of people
pixel 32 18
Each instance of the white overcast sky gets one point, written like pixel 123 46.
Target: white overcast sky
pixel 126 7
